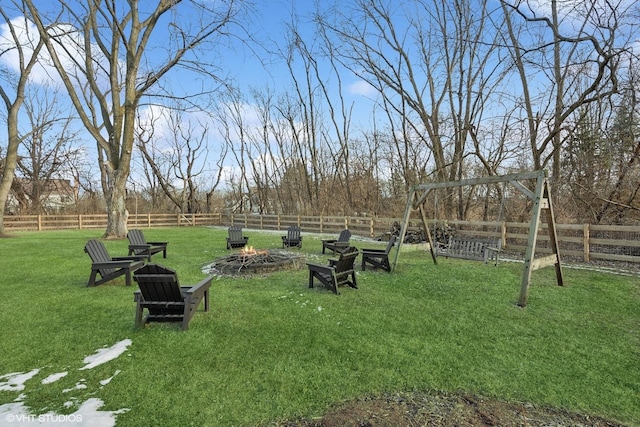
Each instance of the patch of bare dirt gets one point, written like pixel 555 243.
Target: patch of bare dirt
pixel 444 410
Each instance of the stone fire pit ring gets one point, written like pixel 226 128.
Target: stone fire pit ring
pixel 249 261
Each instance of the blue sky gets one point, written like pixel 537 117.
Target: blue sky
pixel 251 67
pixel 241 60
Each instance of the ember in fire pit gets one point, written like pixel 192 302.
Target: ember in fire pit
pixel 251 261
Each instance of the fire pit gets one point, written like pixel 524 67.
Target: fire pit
pixel 251 261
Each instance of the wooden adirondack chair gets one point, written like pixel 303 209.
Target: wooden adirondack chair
pixel 236 239
pixel 163 297
pixel 138 245
pixel 339 244
pixel 293 237
pixel 378 258
pixel 339 272
pixel 109 267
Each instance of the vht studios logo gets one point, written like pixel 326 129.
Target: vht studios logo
pixel 43 418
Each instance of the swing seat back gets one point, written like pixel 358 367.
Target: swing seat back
pixel 471 248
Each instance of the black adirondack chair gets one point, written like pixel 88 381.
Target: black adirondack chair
pixel 138 245
pixel 236 239
pixel 293 237
pixel 109 267
pixel 165 300
pixel 378 258
pixel 339 272
pixel 339 244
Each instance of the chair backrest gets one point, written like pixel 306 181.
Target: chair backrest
pixel 392 241
pixel 344 236
pixel 346 260
pixel 293 233
pixel 235 233
pixel 158 283
pixel 136 237
pixel 98 253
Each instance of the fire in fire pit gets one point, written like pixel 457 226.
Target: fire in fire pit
pixel 249 251
pixel 253 261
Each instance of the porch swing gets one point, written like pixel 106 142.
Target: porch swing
pixel 541 203
pixel 467 247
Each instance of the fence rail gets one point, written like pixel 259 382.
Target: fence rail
pixel 583 241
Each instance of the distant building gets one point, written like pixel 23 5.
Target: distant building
pixel 55 195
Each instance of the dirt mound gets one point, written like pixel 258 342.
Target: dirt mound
pixel 445 411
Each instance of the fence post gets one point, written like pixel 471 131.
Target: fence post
pixel 585 242
pixel 39 222
pixel 148 220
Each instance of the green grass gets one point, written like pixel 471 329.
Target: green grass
pixel 272 349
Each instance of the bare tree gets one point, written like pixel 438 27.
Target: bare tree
pixel 564 46
pixel 26 47
pixel 229 115
pixel 620 203
pixel 106 60
pixel 431 63
pixel 301 113
pixel 47 151
pixel 177 156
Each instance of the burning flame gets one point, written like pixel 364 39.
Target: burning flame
pixel 250 251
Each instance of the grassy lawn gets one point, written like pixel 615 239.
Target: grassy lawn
pixel 273 349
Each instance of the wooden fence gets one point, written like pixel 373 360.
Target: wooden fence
pixel 580 241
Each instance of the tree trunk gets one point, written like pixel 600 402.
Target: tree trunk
pixel 8 174
pixel 117 213
pixel 11 160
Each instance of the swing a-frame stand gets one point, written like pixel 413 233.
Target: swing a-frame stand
pixel 541 198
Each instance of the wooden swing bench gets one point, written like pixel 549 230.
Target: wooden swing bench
pixel 475 249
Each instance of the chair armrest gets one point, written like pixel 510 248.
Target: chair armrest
pixel 202 286
pixel 129 258
pixel 158 243
pixel 140 246
pixel 372 251
pixel 319 267
pixel 113 264
pixel 329 241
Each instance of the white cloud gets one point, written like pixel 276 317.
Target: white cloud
pixel 27 37
pixel 362 88
pixel 44 73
